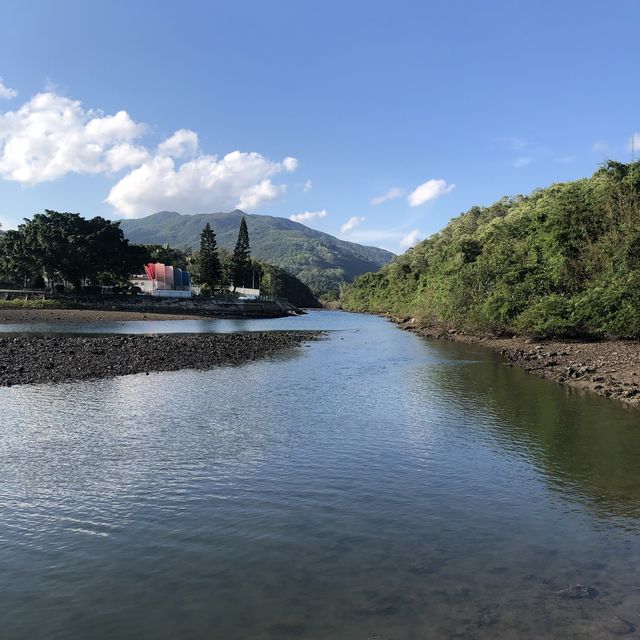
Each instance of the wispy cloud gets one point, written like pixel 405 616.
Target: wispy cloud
pixel 386 238
pixel 429 190
pixel 392 194
pixel 6 93
pixel 352 223
pixel 515 144
pixel 395 239
pixel 307 216
pixel 525 152
pixel 413 237
pixel 599 146
pixel 522 161
pixel 308 185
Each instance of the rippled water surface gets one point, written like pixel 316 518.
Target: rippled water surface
pixel 371 483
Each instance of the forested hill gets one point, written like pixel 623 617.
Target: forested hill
pixel 563 261
pixel 318 259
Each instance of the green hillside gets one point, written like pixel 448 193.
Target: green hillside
pixel 318 259
pixel 564 260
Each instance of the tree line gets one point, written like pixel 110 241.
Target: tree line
pixel 87 254
pixel 66 248
pixel 561 261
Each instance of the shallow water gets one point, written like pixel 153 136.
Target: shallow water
pixel 372 483
pixel 312 320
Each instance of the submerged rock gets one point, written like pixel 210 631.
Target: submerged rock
pixel 619 626
pixel 578 592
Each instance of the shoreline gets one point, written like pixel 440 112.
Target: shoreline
pixel 68 316
pixel 59 358
pixel 609 368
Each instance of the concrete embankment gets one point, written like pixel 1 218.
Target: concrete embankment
pixel 28 360
pixel 609 368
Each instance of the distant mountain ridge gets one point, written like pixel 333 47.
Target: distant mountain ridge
pixel 320 260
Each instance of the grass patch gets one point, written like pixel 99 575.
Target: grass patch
pixel 31 304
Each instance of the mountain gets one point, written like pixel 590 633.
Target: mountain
pixel 561 261
pixel 318 259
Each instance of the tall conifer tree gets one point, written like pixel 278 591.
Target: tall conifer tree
pixel 208 260
pixel 241 258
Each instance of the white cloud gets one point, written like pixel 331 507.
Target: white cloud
pixel 290 164
pixel 125 155
pixel 429 190
pixel 51 135
pixel 238 180
pixel 5 225
pixel 265 191
pixel 413 237
pixel 308 185
pixel 308 216
pixel 392 194
pixel 522 161
pixel 599 146
pixel 5 92
pixel 183 143
pixel 351 224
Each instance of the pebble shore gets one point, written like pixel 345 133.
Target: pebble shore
pixel 34 359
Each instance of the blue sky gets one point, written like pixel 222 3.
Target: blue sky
pixel 319 108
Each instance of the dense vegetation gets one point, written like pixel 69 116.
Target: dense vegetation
pixel 275 281
pixel 318 259
pixel 270 279
pixel 562 261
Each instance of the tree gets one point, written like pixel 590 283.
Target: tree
pixel 67 246
pixel 240 260
pixel 209 271
pixel 168 255
pixel 20 260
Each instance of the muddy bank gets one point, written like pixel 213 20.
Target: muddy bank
pixel 177 308
pixel 609 368
pixel 28 360
pixel 56 316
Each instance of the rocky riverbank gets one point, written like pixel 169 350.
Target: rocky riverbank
pixel 30 360
pixel 609 368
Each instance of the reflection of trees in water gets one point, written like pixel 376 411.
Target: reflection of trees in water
pixel 584 446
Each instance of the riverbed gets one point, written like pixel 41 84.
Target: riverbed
pixel 374 484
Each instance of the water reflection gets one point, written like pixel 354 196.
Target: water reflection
pixel 372 483
pixel 585 446
pixel 312 320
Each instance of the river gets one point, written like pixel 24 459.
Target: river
pixel 371 485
